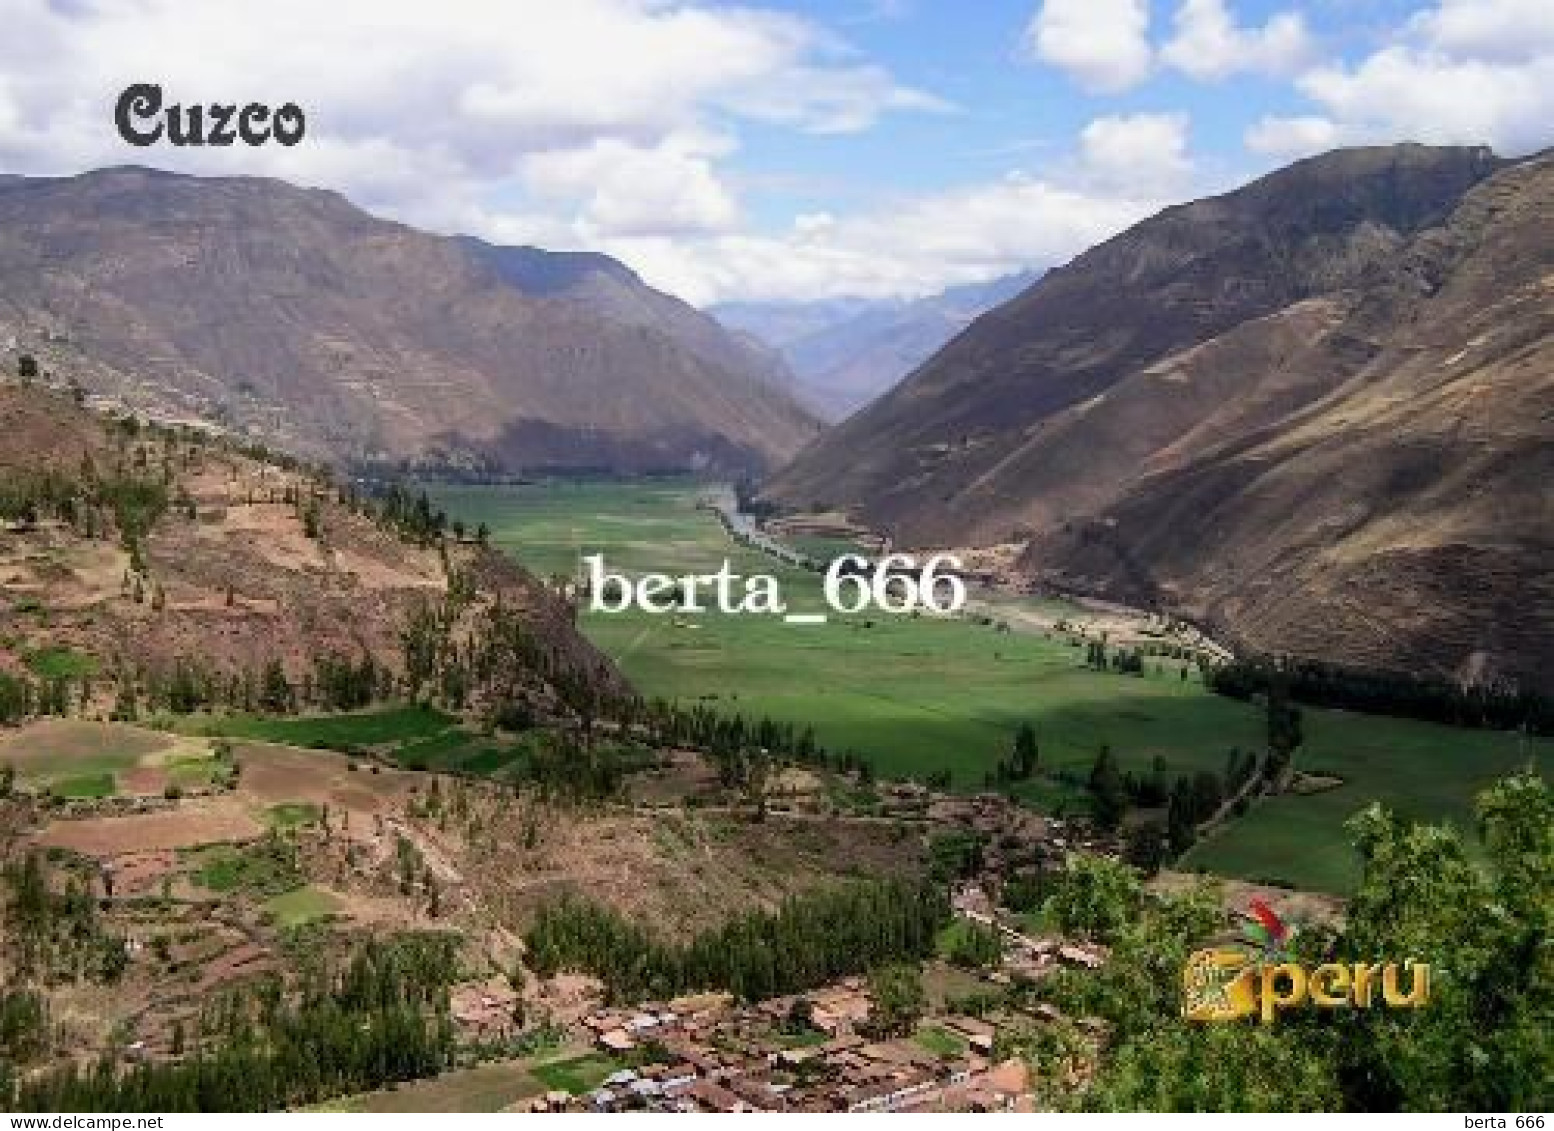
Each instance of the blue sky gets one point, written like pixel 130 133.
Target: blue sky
pixel 1011 110
pixel 784 151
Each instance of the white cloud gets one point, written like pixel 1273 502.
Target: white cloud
pixel 627 190
pixel 964 235
pixel 1463 72
pixel 1422 95
pixel 1141 150
pixel 440 113
pixel 1489 29
pixel 1291 137
pixel 920 245
pixel 607 124
pixel 1208 44
pixel 1103 44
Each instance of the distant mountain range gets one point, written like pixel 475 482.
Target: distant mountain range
pixel 1316 413
pixel 847 351
pixel 292 314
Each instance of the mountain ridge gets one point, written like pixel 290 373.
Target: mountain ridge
pixel 1170 418
pixel 292 314
pixel 845 352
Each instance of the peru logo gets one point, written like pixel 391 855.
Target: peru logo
pixel 1259 975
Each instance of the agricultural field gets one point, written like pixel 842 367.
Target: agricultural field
pixel 60 663
pixel 1419 770
pixel 940 1041
pixel 918 695
pixel 80 759
pixel 483 1088
pixel 639 525
pixel 914 695
pixel 576 1074
pixel 300 906
pixel 417 738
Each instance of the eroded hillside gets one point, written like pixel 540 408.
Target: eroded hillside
pixel 293 313
pixel 1314 412
pixel 132 553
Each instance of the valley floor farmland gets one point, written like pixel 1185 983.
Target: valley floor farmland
pixel 922 695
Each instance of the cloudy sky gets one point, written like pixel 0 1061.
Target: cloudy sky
pixel 783 150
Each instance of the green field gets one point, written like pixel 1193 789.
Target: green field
pixel 333 732
pixel 293 815
pixel 260 869
pixel 61 663
pixel 82 786
pixel 1418 769
pixel 919 695
pixel 638 525
pixel 940 1041
pixel 822 547
pixel 301 906
pixel 81 759
pixel 577 1075
pixel 913 694
pixel 418 738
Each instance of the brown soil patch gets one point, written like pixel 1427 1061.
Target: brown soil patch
pixel 242 961
pixel 205 821
pixel 275 774
pixel 53 743
pixel 141 873
pixel 1294 906
pixel 143 781
pixel 678 872
pixel 1314 783
pixel 373 910
pixel 373 573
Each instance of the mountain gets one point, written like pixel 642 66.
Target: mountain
pixel 151 552
pixel 292 314
pixel 845 352
pixel 611 290
pixel 1316 413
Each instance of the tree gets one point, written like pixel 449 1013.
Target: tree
pixel 1482 1042
pixel 1181 819
pixel 801 1015
pixel 1147 849
pixel 1108 795
pixel 312 520
pixel 898 999
pixel 972 945
pixel 1214 1068
pixel 1285 731
pixel 275 694
pixel 26 367
pixel 1094 896
pixel 1023 761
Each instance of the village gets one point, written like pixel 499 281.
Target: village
pixel 821 1051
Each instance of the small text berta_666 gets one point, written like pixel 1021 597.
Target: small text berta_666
pixel 853 584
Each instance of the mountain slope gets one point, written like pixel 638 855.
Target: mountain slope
pixel 1315 412
pixel 940 457
pixel 1406 517
pixel 846 352
pixel 615 293
pixel 151 551
pixel 293 314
